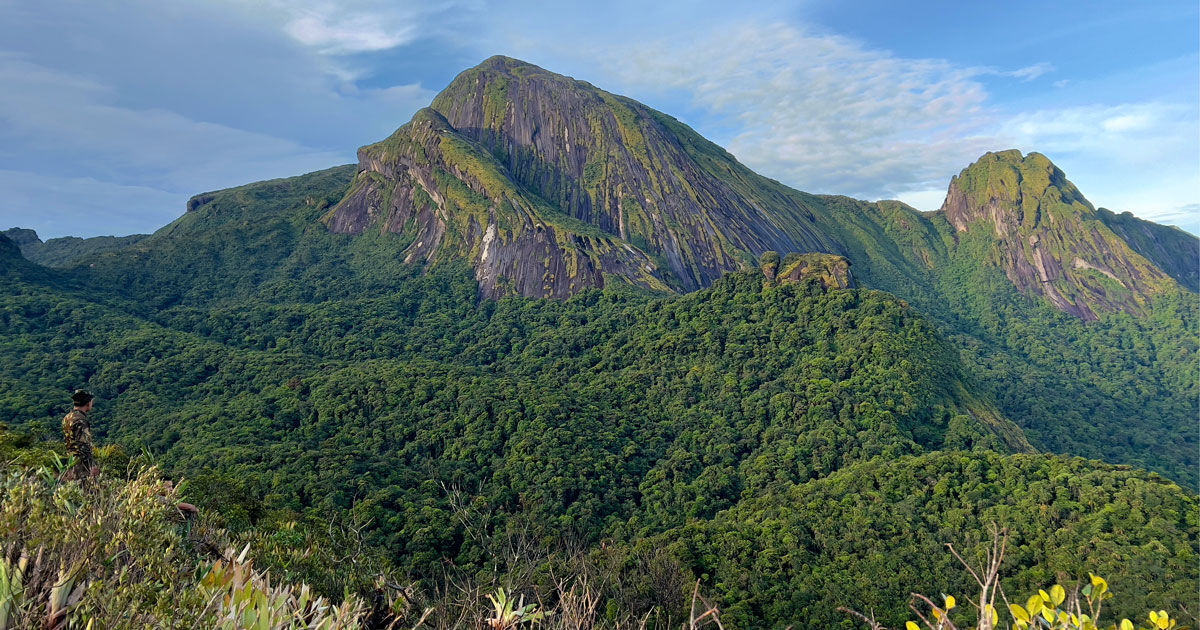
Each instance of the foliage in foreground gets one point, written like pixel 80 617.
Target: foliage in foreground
pixel 1058 609
pixel 115 553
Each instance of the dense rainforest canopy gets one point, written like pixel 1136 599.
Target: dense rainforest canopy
pixel 796 447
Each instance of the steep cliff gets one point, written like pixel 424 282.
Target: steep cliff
pixel 451 198
pixel 1047 238
pixel 569 183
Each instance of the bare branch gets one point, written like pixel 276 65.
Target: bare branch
pixel 975 575
pixel 870 621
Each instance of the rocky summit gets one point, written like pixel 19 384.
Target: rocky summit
pixel 547 184
pixel 1048 238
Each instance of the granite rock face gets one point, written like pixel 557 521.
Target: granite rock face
pixel 547 185
pixel 453 200
pixel 1048 238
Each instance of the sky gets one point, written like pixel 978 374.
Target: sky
pixel 112 114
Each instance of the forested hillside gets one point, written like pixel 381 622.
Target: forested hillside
pixel 606 422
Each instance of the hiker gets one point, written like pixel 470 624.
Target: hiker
pixel 77 433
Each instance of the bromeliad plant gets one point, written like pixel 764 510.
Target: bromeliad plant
pixel 242 598
pixel 508 613
pixel 1056 609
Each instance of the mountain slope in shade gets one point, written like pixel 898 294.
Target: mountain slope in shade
pixel 1048 239
pixel 1174 251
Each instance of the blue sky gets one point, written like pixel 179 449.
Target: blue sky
pixel 112 114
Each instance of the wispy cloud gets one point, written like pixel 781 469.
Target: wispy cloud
pixel 352 26
pixel 71 148
pixel 1141 131
pixel 822 112
pixel 1029 73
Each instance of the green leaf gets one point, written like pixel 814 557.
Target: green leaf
pixel 1126 624
pixel 1099 586
pixel 1018 613
pixel 1057 594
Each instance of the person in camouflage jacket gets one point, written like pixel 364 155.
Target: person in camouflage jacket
pixel 77 433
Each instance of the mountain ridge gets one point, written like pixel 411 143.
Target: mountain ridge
pixel 636 195
pixel 67 250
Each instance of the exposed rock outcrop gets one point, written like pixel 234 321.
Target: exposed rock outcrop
pixel 1047 238
pixel 23 237
pixel 829 270
pixel 547 185
pixel 449 195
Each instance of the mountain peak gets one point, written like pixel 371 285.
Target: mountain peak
pixel 1047 237
pixel 22 236
pixel 502 63
pixel 593 184
pixel 1010 190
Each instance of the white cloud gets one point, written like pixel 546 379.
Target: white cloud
pixel 822 112
pixel 356 33
pixel 351 26
pixel 1029 73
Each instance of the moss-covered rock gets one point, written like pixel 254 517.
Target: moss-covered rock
pixel 1048 239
